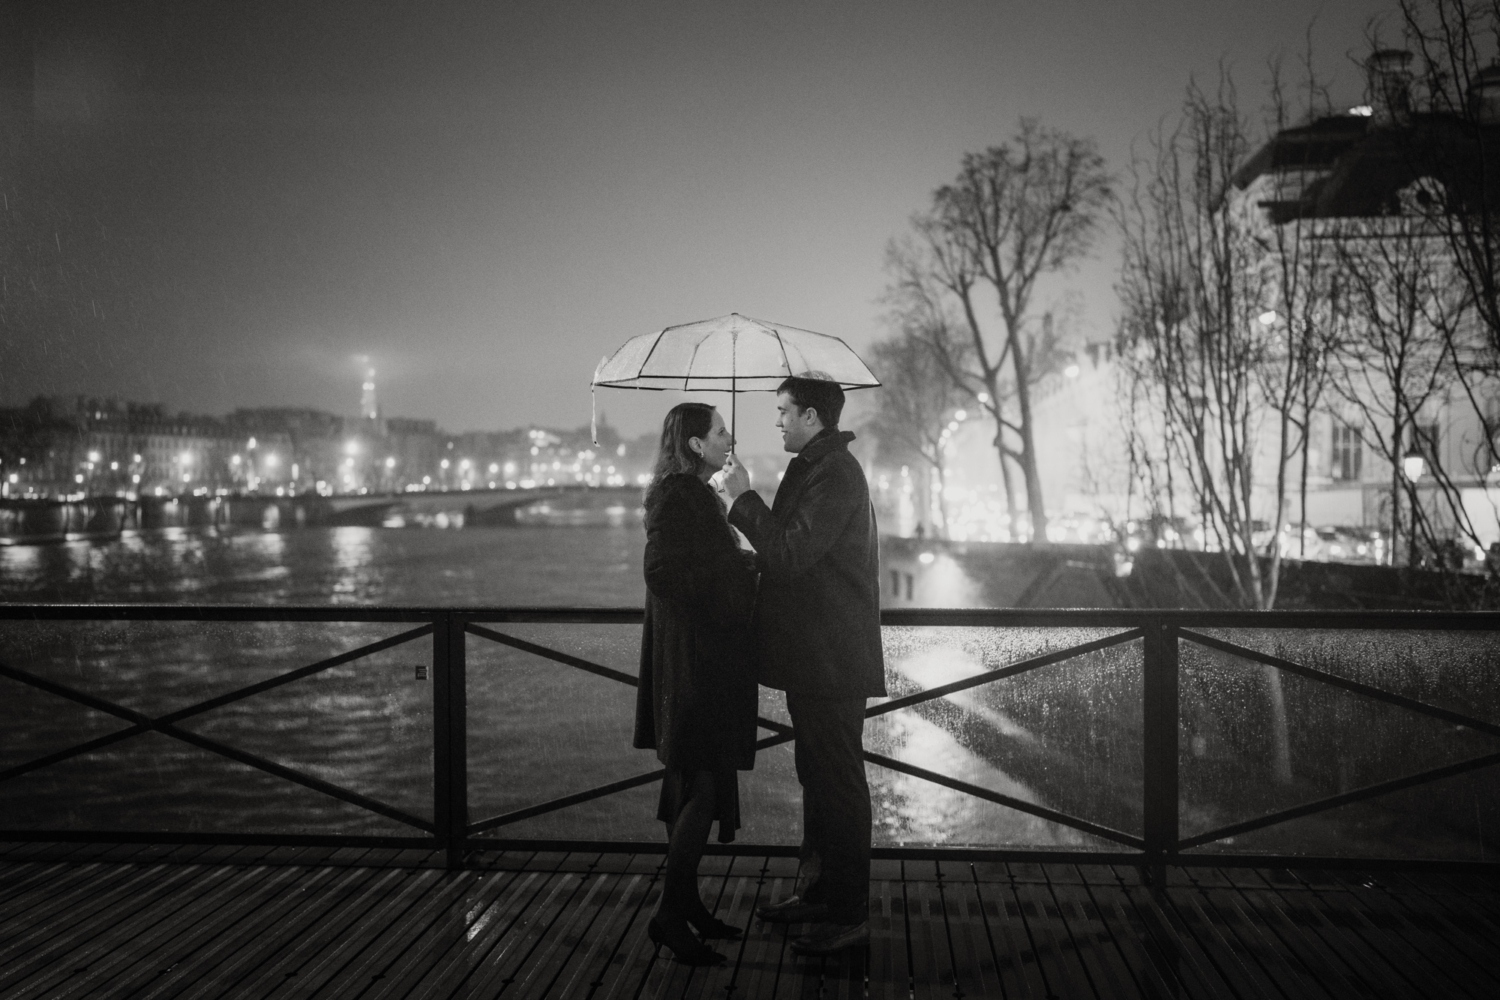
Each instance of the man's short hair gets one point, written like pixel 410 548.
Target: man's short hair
pixel 810 392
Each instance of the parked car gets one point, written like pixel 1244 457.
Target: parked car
pixel 1353 545
pixel 1162 532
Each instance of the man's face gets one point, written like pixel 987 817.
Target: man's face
pixel 797 426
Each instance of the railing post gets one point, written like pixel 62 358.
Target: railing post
pixel 1161 761
pixel 450 757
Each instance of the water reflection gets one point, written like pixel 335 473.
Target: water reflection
pixel 352 558
pixel 17 561
pixel 912 810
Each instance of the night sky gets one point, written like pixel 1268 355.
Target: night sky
pixel 219 205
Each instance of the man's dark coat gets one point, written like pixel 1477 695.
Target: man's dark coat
pixel 817 620
pixel 696 702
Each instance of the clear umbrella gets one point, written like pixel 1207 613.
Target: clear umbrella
pixel 731 354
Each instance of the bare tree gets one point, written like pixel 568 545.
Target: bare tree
pixel 1225 342
pixel 1398 321
pixel 1220 310
pixel 1015 213
pixel 917 405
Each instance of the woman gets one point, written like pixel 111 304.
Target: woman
pixel 696 702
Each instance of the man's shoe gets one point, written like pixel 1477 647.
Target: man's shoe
pixel 830 939
pixel 792 911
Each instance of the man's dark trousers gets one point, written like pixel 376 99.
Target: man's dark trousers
pixel 835 802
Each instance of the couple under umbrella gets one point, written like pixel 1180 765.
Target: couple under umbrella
pixel 800 614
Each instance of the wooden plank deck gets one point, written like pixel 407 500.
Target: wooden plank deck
pixel 157 922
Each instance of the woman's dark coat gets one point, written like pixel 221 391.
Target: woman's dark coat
pixel 697 698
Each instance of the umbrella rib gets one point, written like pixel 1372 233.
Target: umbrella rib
pixel 640 370
pixel 782 344
pixel 688 374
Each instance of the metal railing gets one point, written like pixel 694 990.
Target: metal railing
pixel 1162 635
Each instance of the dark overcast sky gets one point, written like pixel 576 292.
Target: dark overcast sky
pixel 222 205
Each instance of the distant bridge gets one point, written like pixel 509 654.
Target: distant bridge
pixel 31 521
pixel 487 507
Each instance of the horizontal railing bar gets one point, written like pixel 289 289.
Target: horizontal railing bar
pixel 251 839
pixel 215 613
pixel 546 616
pixel 1136 617
pixel 1000 673
pixel 548 653
pixel 1334 801
pixel 498 845
pixel 1019 855
pixel 999 798
pixel 1000 617
pixel 1312 673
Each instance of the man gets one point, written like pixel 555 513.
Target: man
pixel 817 633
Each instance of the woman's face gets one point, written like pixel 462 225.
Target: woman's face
pixel 715 448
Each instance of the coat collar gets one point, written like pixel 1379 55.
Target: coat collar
pixel 826 442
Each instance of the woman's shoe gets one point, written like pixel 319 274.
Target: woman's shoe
pixel 685 948
pixel 708 926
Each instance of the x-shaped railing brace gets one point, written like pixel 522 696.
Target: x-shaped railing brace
pixel 166 725
pixel 1358 794
pixel 784 734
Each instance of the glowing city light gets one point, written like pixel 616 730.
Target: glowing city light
pixel 186 458
pixel 235 460
pixel 351 447
pixel 983 397
pixel 1071 371
pixel 1268 317
pixel 961 415
pixel 390 463
pixel 93 456
pixel 926 558
pixel 1413 465
pixel 273 460
pixel 444 464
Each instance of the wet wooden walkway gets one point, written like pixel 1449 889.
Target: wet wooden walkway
pixel 198 922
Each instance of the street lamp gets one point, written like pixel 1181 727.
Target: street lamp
pixel 1413 465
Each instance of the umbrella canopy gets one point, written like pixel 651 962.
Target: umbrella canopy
pixel 731 353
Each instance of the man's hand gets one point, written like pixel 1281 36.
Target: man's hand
pixel 736 478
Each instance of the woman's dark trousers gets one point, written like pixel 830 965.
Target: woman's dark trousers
pixel 835 802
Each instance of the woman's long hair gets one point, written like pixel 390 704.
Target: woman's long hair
pixel 683 422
